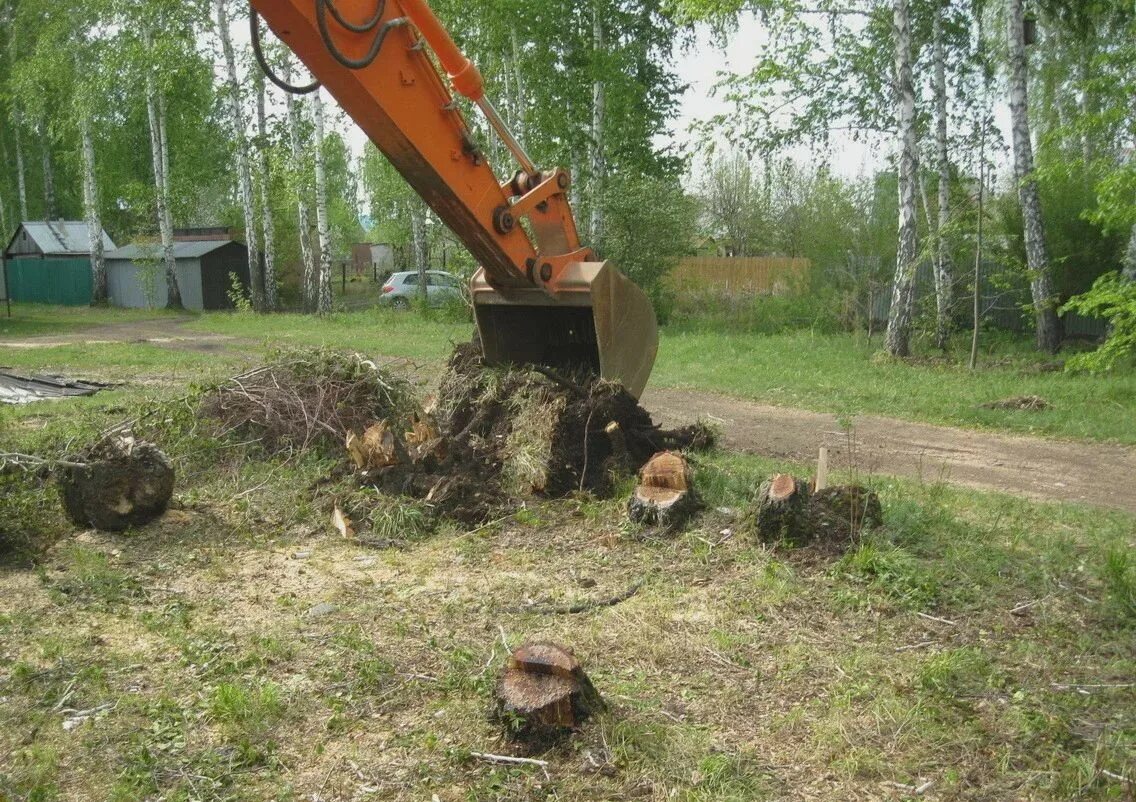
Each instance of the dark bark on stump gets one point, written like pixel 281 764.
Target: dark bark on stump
pixel 789 511
pixel 781 505
pixel 122 483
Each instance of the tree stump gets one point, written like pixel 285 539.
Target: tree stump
pixel 665 494
pixel 843 513
pixel 781 509
pixel 789 511
pixel 121 483
pixel 543 693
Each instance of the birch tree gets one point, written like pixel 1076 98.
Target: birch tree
pixel 268 225
pixel 323 290
pixel 240 139
pixel 944 288
pixel 50 207
pixel 299 176
pixel 91 209
pixel 898 340
pixel 599 110
pixel 1037 256
pixel 159 157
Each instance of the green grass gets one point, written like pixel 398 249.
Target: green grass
pixel 736 673
pixel 29 320
pixel 842 374
pixel 425 336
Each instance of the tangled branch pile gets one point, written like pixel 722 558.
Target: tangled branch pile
pixel 307 399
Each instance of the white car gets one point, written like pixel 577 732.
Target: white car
pixel 402 289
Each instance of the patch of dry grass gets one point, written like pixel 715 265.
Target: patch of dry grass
pixel 248 652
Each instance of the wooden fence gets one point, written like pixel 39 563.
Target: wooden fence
pixel 758 274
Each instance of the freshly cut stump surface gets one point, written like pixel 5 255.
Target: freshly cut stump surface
pixel 544 693
pixel 123 483
pixel 781 509
pixel 665 494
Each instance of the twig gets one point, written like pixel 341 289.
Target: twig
pixel 1115 776
pixel 921 645
pixel 584 606
pixel 1079 686
pixel 936 618
pixel 512 761
pixel 31 461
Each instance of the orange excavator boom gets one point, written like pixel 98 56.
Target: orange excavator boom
pixel 539 297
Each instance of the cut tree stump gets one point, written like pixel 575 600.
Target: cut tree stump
pixel 665 494
pixel 544 693
pixel 788 510
pixel 781 509
pixel 121 483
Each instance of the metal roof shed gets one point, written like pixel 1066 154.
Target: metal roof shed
pixel 136 274
pixel 50 262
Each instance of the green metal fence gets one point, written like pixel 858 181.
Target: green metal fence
pixel 62 281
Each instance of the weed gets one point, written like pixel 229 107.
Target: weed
pixel 1119 575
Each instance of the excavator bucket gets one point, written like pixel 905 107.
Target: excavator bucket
pixel 596 318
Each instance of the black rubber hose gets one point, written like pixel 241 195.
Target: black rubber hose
pixel 322 7
pixel 258 50
pixel 367 26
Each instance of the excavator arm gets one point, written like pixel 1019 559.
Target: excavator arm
pixel 540 297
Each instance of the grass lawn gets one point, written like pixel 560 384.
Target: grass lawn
pixel 980 643
pixel 841 374
pixel 29 320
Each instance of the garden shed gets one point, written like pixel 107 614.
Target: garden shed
pixel 50 263
pixel 136 274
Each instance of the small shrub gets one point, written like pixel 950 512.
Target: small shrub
pixel 1113 299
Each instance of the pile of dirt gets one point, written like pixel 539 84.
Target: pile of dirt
pixel 508 433
pixel 1025 403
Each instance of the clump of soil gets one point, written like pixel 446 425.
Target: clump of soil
pixel 514 432
pixel 118 483
pixel 1025 403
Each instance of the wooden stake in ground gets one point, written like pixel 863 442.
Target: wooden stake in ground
pixel 665 495
pixel 544 693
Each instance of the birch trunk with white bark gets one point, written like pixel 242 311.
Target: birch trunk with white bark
pixel 1037 255
pixel 323 296
pixel 944 289
pixel 303 211
pixel 159 154
pixel 898 341
pixel 268 225
pixel 599 103
pixel 240 137
pixel 419 245
pixel 50 210
pixel 21 175
pixel 1130 257
pixel 91 212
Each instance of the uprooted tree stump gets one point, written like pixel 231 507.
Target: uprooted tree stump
pixel 789 511
pixel 544 693
pixel 665 494
pixel 116 484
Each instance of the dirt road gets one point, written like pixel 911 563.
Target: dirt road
pixel 1052 470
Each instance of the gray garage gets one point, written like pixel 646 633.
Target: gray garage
pixel 136 274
